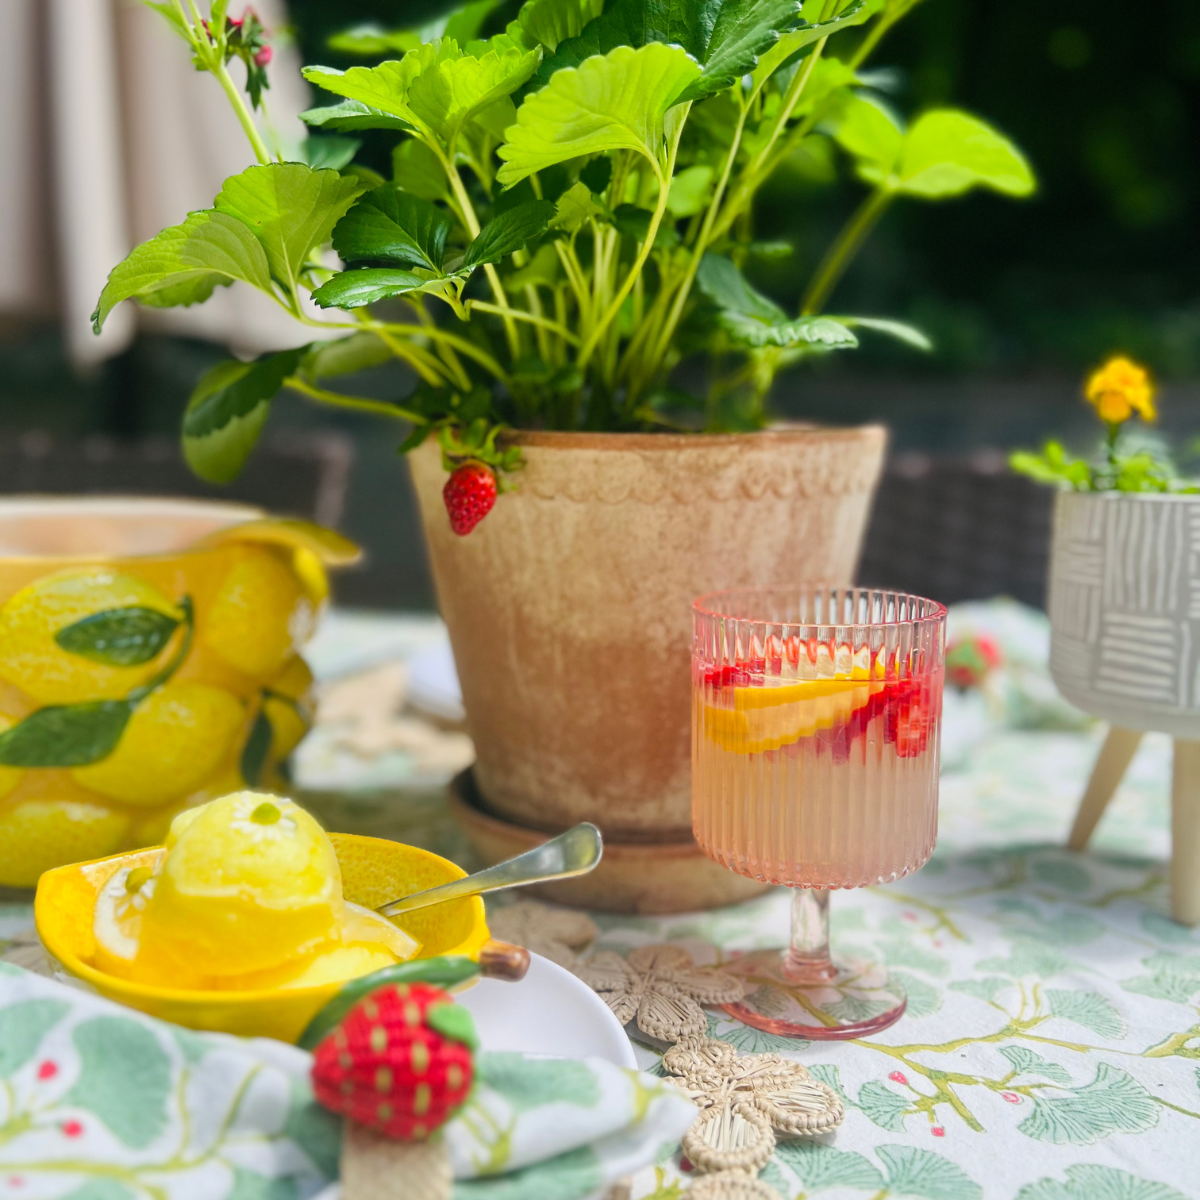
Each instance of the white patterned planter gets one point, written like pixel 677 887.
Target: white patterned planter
pixel 1125 608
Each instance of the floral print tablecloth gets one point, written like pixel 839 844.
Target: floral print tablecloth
pixel 1051 1049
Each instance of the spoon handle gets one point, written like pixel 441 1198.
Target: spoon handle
pixel 572 853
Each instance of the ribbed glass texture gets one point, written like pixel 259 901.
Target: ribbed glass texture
pixel 816 731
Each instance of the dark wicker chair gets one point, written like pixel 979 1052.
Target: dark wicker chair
pixel 299 476
pixel 961 528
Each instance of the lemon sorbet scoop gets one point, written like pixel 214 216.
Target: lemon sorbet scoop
pixel 246 895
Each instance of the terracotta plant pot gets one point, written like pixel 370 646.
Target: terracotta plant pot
pixel 568 607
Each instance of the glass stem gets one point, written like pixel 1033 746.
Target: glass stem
pixel 807 959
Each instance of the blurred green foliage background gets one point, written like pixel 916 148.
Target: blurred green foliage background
pixel 1104 98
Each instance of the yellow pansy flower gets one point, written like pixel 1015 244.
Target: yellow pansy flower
pixel 1119 389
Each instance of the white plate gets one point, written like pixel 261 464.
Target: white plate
pixel 548 1012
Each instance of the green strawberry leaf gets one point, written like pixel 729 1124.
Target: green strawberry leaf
pixel 454 1022
pixel 574 209
pixel 356 289
pixel 385 88
pixel 392 225
pixel 453 91
pixel 290 208
pixel 622 23
pixel 907 334
pixel 550 22
pixel 792 42
pixel 721 281
pixel 66 735
pixel 120 637
pixel 371 40
pixel 754 320
pixel 124 1079
pixel 726 37
pixel 182 265
pixel 691 191
pixel 228 409
pixel 345 356
pixel 510 231
pixel 352 116
pixel 867 129
pixel 618 102
pixel 743 31
pixel 330 152
pixel 417 169
pixel 947 152
pixel 22 1027
pixel 944 154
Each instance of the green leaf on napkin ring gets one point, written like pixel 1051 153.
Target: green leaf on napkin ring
pixel 447 971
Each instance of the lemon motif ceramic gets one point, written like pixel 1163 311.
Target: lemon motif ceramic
pixel 149 661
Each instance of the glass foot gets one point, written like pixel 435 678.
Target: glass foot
pixel 818 1000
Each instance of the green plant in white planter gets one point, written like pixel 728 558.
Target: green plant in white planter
pixel 1125 607
pixel 568 220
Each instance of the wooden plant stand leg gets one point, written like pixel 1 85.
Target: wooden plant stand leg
pixel 1115 755
pixel 1185 833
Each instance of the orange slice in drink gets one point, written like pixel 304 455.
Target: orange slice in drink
pixel 769 717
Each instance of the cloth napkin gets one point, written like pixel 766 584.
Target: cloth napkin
pixel 98 1102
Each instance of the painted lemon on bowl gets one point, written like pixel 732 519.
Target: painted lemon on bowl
pixel 149 659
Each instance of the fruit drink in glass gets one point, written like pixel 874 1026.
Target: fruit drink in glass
pixel 815 740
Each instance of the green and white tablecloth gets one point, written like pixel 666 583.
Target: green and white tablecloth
pixel 1051 1049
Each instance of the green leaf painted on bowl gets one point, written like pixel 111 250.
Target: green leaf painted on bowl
pixel 120 637
pixel 66 735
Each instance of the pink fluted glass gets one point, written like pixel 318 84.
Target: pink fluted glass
pixel 815 742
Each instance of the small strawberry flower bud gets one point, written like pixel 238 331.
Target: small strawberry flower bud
pixel 1011 1097
pixel 899 1077
pixel 264 56
pixel 938 1131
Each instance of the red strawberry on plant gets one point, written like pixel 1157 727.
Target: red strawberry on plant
pixel 469 494
pixel 400 1061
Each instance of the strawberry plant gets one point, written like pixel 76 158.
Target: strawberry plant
pixel 569 215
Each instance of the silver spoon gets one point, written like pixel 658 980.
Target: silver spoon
pixel 575 852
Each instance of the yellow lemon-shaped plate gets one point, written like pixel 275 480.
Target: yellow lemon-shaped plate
pixel 374 871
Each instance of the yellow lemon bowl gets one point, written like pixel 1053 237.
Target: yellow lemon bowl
pixel 374 871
